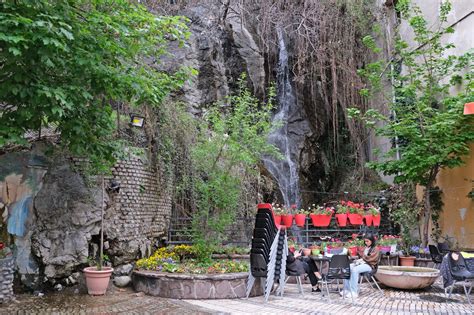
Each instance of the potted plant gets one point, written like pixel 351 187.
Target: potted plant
pixel 6 273
pixel 356 212
pixel 341 213
pixel 321 216
pixel 406 259
pixel 315 251
pixel 384 245
pixel 97 277
pixel 375 212
pixel 370 212
pixel 300 217
pixel 286 217
pixel 278 210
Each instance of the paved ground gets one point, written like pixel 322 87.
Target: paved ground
pixel 370 301
pixel 432 301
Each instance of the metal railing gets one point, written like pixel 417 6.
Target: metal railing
pixel 240 233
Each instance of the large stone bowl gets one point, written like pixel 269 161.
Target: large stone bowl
pixel 408 278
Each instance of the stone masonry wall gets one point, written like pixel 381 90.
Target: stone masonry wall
pixel 6 279
pixel 138 215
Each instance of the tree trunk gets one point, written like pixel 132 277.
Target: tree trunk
pixel 427 216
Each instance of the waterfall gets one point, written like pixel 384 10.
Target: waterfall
pixel 284 171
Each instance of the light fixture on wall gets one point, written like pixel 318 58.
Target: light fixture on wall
pixel 469 108
pixel 113 187
pixel 137 120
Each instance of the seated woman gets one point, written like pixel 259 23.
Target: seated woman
pixel 369 258
pixel 298 264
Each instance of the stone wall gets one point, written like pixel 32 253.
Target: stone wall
pixel 139 213
pixel 6 279
pixel 54 214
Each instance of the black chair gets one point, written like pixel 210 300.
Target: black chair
pixel 436 256
pixel 460 273
pixel 339 269
pixel 369 275
pixel 443 248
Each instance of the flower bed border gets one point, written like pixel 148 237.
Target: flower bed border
pixel 193 286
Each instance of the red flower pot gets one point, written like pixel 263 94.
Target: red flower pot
pixel 368 219
pixel 376 220
pixel 355 219
pixel 320 219
pixel 300 219
pixel 287 220
pixel 353 250
pixel 341 219
pixel 278 219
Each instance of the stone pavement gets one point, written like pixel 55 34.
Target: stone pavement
pixel 370 301
pixel 431 301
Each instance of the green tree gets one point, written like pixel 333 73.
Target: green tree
pixel 427 122
pixel 63 62
pixel 232 140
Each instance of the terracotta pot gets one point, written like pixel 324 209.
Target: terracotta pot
pixel 407 261
pixel 278 219
pixel 355 219
pixel 368 219
pixel 97 280
pixel 287 220
pixel 300 219
pixel 376 220
pixel 320 219
pixel 341 219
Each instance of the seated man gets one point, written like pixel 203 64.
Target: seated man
pixel 296 263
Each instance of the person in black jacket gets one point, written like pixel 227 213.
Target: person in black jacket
pixel 296 263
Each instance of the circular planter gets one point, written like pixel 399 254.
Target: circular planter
pixel 368 219
pixel 408 278
pixel 97 281
pixel 407 261
pixel 287 220
pixel 376 220
pixel 341 219
pixel 193 286
pixel 300 219
pixel 6 276
pixel 355 219
pixel 278 219
pixel 320 220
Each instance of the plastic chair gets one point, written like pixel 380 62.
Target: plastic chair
pixel 460 273
pixel 370 276
pixel 298 281
pixel 436 256
pixel 443 248
pixel 339 269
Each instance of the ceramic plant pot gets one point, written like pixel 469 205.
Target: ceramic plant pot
pixel 97 281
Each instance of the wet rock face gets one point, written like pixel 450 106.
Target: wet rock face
pixel 221 51
pixel 68 214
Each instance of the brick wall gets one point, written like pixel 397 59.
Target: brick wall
pixel 139 214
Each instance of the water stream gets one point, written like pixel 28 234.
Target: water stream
pixel 284 171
